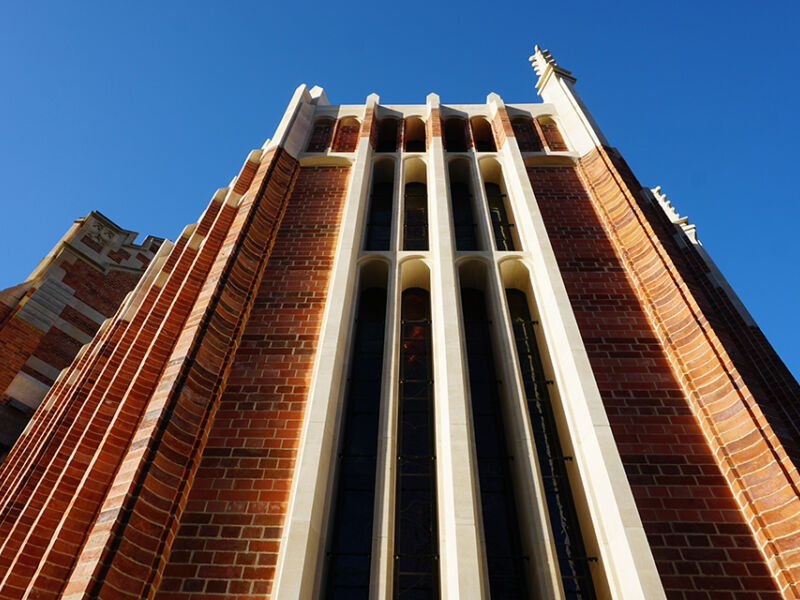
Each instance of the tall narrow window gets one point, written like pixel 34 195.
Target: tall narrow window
pixel 502 217
pixel 379 225
pixel 526 134
pixel 552 135
pixel 461 199
pixel 455 135
pixel 570 552
pixel 387 135
pixel 321 135
pixel 505 558
pixel 414 137
pixel 415 216
pixel 416 549
pixel 482 134
pixel 351 539
pixel 501 226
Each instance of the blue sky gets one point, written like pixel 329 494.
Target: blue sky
pixel 141 110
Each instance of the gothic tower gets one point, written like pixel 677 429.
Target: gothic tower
pixel 418 351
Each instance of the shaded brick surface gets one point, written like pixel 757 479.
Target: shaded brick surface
pixel 700 539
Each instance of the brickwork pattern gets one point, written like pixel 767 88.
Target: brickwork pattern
pixel 433 127
pixel 70 462
pixel 761 475
pixel 18 340
pixel 321 136
pixel 551 135
pixel 700 539
pixel 228 540
pixel 501 126
pixel 346 136
pixel 527 137
pixel 126 557
pixel 764 373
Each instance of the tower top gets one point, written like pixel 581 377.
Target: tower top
pixel 540 60
pixel 544 64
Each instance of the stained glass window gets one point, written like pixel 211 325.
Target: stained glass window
pixel 416 561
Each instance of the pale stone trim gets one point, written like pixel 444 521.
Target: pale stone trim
pixel 27 390
pixel 626 558
pixel 463 573
pixel 300 561
pixel 382 565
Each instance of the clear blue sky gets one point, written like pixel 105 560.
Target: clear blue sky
pixel 142 109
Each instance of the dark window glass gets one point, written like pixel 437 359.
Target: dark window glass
pixel 415 226
pixel 414 135
pixel 351 539
pixel 463 220
pixel 416 549
pixel 572 559
pixel 379 227
pixel 387 136
pixel 500 224
pixel 455 135
pixel 483 136
pixel 504 554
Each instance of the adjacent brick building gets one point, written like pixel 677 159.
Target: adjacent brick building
pixel 418 351
pixel 45 320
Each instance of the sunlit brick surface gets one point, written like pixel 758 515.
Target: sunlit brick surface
pixel 229 536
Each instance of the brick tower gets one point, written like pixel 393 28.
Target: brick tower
pixel 418 351
pixel 46 319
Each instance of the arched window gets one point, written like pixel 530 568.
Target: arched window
pixel 552 136
pixel 526 134
pixel 414 135
pixel 415 207
pixel 321 135
pixel 416 549
pixel 347 133
pixel 351 533
pixel 387 135
pixel 505 234
pixel 455 135
pixel 379 225
pixel 482 134
pixel 461 202
pixel 505 557
pixel 563 516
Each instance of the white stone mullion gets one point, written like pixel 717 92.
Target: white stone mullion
pixel 382 565
pixel 301 558
pixel 626 559
pixel 461 572
pixel 533 516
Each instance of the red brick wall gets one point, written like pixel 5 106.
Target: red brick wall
pixel 700 539
pixel 18 339
pixel 527 137
pixel 346 136
pixel 57 348
pixel 551 134
pixel 103 292
pixel 321 136
pixel 229 535
pixel 501 127
pixel 763 371
pixel 433 127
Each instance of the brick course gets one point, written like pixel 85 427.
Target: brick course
pixel 700 538
pixel 229 536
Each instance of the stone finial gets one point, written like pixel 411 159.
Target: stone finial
pixel 540 60
pixel 545 65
